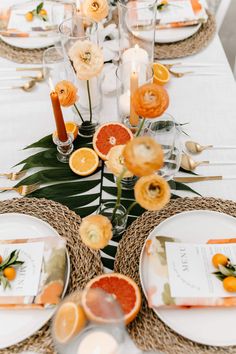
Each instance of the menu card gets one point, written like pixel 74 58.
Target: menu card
pixel 27 279
pixel 190 269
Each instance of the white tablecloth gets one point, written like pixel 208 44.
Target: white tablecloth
pixel 207 103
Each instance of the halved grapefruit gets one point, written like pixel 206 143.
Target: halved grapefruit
pixel 109 135
pixel 122 288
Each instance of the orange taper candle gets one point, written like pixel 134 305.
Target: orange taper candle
pixel 60 124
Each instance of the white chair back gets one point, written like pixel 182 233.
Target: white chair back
pixel 221 12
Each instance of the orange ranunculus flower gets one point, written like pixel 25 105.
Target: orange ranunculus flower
pixel 97 10
pixel 152 192
pixel 67 93
pixel 87 59
pixel 115 161
pixel 143 156
pixel 150 100
pixel 96 231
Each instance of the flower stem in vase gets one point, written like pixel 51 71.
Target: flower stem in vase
pixel 140 127
pixel 90 104
pixel 78 112
pixel 119 194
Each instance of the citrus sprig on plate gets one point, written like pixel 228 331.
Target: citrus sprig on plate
pixel 7 268
pixel 38 12
pixel 226 271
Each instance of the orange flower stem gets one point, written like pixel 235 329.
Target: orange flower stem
pixel 140 127
pixel 78 112
pixel 119 193
pixel 90 105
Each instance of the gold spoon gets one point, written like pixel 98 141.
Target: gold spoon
pixel 28 86
pixel 196 148
pixel 188 164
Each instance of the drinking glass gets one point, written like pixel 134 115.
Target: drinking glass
pixel 165 130
pixel 137 21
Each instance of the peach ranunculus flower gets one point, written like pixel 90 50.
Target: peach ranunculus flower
pixel 97 10
pixel 87 59
pixel 96 231
pixel 67 93
pixel 150 100
pixel 152 192
pixel 115 161
pixel 143 156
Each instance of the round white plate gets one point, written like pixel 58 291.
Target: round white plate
pixel 56 14
pixel 171 35
pixel 215 326
pixel 16 325
pixel 31 43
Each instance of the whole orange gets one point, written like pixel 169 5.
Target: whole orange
pixel 229 284
pixel 219 258
pixel 9 273
pixel 43 12
pixel 29 16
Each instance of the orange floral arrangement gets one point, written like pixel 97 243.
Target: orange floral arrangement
pixel 143 156
pixel 96 9
pixel 150 100
pixel 152 192
pixel 96 231
pixel 67 93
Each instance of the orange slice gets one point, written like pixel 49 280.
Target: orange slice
pixel 71 128
pixel 69 320
pixel 109 135
pixel 122 288
pixel 161 74
pixel 84 161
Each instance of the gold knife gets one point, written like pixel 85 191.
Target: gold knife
pixel 199 179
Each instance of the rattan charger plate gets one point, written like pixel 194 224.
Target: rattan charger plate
pixel 188 46
pixel 85 263
pixel 148 331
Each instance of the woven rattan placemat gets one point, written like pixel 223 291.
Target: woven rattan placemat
pixel 188 46
pixel 179 49
pixel 21 56
pixel 148 331
pixel 85 263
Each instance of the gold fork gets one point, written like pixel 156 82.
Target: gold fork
pixel 13 176
pixel 174 73
pixel 22 190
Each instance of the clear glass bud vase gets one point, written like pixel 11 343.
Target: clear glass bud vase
pixel 87 109
pixel 118 220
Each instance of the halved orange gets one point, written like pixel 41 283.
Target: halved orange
pixel 161 74
pixel 71 127
pixel 84 161
pixel 69 320
pixel 109 135
pixel 122 288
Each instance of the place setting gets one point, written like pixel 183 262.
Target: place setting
pixel 106 245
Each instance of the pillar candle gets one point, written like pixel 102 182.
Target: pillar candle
pixel 60 124
pixel 98 342
pixel 134 118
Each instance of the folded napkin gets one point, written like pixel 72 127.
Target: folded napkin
pixel 181 13
pixel 158 287
pixel 51 271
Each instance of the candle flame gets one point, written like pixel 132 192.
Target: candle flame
pixel 136 46
pixel 78 5
pixel 51 85
pixel 133 66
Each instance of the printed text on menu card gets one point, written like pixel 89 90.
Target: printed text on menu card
pixel 190 269
pixel 27 278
